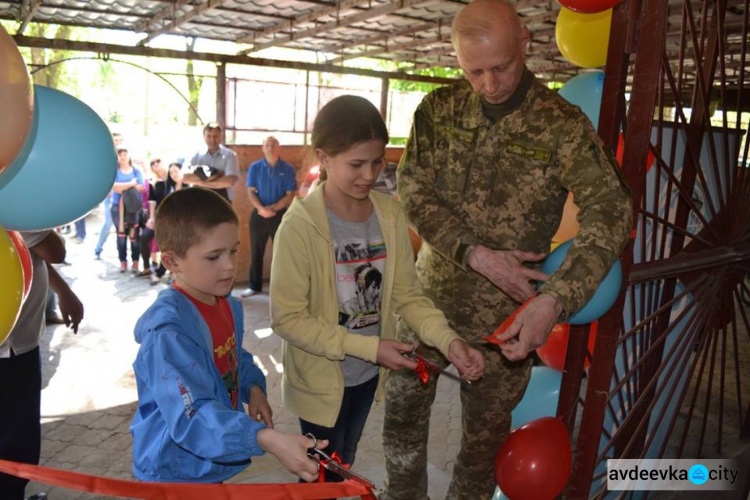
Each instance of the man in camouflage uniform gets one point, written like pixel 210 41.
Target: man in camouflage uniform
pixel 484 178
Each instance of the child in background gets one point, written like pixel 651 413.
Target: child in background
pixel 342 269
pixel 191 370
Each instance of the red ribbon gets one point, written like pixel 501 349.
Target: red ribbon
pixel 183 491
pixel 422 372
pixel 492 339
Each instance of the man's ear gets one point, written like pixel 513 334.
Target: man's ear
pixel 170 261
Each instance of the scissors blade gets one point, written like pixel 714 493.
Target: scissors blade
pixel 336 468
pixel 432 366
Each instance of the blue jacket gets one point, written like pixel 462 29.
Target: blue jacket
pixel 185 429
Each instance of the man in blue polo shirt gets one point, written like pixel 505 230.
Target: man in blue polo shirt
pixel 271 186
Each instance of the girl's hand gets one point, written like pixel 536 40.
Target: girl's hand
pixel 468 361
pixel 258 407
pixel 391 355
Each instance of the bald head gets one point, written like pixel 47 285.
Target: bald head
pixel 271 149
pixel 490 45
pixel 483 19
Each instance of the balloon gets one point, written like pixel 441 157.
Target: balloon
pixel 540 398
pixel 583 38
pixel 621 152
pixel 17 97
pixel 535 460
pixel 69 169
pixel 26 264
pixel 568 223
pixel 588 6
pixel 585 91
pixel 604 296
pixel 499 495
pixel 11 290
pixel 553 351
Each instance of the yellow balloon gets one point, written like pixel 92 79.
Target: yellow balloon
pixel 583 38
pixel 569 223
pixel 11 285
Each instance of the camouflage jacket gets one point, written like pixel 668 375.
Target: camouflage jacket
pixel 465 181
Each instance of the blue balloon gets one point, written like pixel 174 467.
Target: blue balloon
pixel 540 398
pixel 499 495
pixel 605 295
pixel 66 168
pixel 585 91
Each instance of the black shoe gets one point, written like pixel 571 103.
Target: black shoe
pixel 38 496
pixel 54 319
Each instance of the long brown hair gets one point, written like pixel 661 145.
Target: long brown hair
pixel 343 122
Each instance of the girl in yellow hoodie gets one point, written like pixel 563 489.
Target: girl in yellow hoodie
pixel 342 269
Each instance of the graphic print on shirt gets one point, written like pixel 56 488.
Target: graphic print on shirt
pixel 359 278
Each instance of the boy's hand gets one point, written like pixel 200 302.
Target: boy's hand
pixel 468 361
pixel 291 451
pixel 391 355
pixel 258 407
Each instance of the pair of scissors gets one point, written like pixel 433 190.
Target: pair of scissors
pixel 334 465
pixel 415 356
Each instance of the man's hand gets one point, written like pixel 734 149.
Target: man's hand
pixel 291 451
pixel 505 270
pixel 531 327
pixel 266 212
pixel 71 309
pixel 391 355
pixel 258 407
pixel 468 361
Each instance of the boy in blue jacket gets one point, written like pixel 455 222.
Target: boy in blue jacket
pixel 191 370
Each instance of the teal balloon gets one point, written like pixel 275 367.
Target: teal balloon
pixel 499 495
pixel 605 295
pixel 66 168
pixel 541 397
pixel 585 91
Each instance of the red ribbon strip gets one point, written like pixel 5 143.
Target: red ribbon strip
pixel 422 372
pixel 183 491
pixel 492 339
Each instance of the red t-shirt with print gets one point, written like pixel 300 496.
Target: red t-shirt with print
pixel 220 323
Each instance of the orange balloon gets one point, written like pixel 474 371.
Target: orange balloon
pixel 569 223
pixel 553 352
pixel 17 97
pixel 27 266
pixel 621 152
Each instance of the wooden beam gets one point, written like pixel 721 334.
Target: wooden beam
pixel 338 22
pixel 187 17
pixel 103 48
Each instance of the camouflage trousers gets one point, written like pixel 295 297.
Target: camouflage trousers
pixel 486 416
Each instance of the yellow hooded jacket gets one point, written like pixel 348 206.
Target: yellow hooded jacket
pixel 305 307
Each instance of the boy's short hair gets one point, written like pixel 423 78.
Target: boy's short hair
pixel 184 216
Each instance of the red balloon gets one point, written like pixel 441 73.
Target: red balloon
pixel 621 151
pixel 553 352
pixel 26 265
pixel 588 6
pixel 535 460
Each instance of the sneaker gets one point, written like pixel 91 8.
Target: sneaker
pixel 142 274
pixel 248 292
pixel 38 496
pixel 135 268
pixel 97 256
pixel 123 267
pixel 155 280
